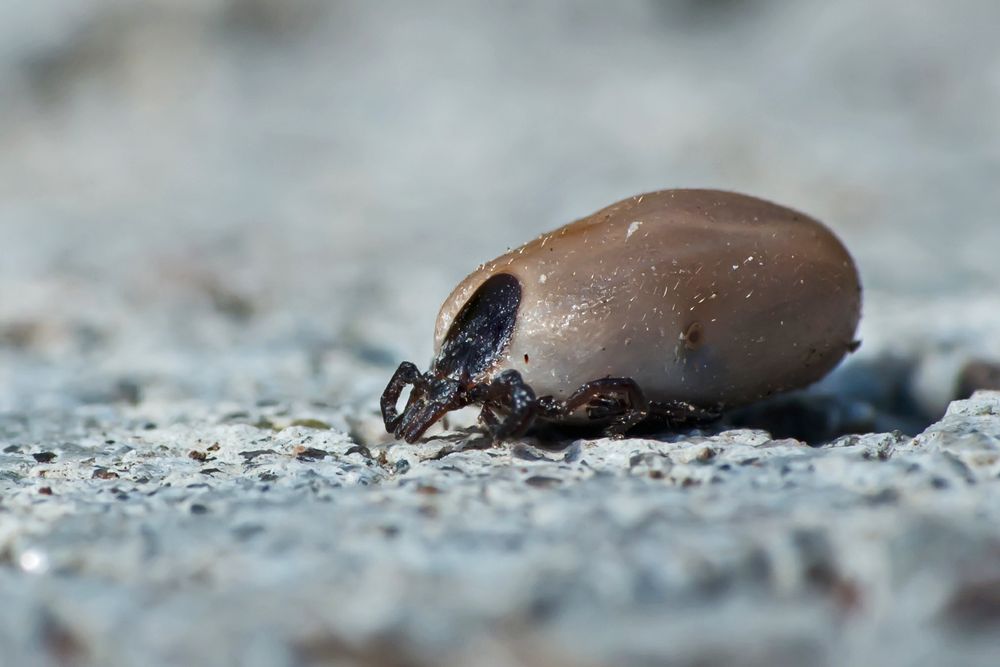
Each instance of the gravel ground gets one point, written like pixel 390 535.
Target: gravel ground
pixel 224 222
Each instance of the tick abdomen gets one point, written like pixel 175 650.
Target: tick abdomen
pixel 709 297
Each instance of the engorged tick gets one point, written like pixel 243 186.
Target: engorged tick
pixel 673 305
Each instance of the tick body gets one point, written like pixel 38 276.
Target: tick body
pixel 675 304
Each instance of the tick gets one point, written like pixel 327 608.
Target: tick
pixel 673 305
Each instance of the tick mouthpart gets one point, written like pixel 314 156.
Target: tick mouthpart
pixel 428 402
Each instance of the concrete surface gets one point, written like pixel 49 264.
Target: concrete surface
pixel 224 222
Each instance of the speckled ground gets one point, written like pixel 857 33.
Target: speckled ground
pixel 225 222
pixel 242 538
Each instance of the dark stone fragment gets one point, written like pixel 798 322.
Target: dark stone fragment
pixel 312 454
pixel 360 449
pixel 251 454
pixel 542 482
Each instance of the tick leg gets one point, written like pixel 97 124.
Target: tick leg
pixel 509 392
pixel 620 398
pixel 406 374
pixel 549 408
pixel 605 407
pixel 681 413
pixel 489 418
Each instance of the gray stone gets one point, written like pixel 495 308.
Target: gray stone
pixel 225 222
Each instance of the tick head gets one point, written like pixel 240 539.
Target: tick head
pixel 428 402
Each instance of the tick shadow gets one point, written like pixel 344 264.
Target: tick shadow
pixel 874 396
pixel 871 396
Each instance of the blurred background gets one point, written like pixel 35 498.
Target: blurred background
pixel 243 198
pixel 223 223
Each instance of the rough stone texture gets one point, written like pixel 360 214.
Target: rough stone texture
pixel 225 221
pixel 241 538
